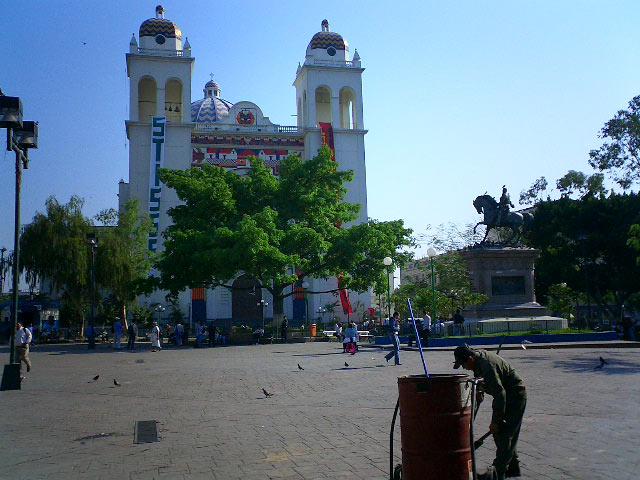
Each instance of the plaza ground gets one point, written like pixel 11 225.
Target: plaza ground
pixel 326 422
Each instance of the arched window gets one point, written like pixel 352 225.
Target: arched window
pixel 323 105
pixel 347 108
pixel 147 99
pixel 305 120
pixel 173 100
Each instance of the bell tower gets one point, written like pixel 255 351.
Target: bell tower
pixel 329 109
pixel 329 93
pixel 159 68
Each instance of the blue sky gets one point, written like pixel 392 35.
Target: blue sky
pixel 459 97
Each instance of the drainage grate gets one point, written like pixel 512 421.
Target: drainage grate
pixel 145 431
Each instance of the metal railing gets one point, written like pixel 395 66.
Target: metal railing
pixel 333 63
pixel 162 53
pixel 214 127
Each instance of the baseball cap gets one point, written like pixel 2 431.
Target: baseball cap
pixel 461 354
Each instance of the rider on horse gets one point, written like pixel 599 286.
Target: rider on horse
pixel 503 206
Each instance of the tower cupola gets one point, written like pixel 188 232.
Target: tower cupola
pixel 161 34
pixel 328 46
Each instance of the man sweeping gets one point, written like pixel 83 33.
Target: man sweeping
pixel 509 401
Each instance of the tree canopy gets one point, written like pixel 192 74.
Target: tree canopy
pixel 122 259
pixel 54 247
pixel 620 153
pixel 452 288
pixel 263 227
pixel 583 243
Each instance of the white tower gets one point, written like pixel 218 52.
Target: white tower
pixel 329 91
pixel 159 125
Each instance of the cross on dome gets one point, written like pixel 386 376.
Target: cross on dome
pixel 159 11
pixel 325 25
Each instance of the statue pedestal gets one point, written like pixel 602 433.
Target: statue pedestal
pixel 505 275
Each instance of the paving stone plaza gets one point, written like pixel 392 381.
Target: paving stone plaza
pixel 327 421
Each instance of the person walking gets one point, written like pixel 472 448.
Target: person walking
pixel 132 333
pixel 155 338
pixel 23 339
pixel 394 329
pixel 283 328
pixel 426 328
pixel 179 331
pixel 509 394
pixel 117 333
pixel 458 323
pixel 198 335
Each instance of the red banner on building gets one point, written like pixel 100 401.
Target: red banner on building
pixel 344 298
pixel 197 294
pixel 326 130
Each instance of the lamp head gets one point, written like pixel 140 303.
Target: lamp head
pixel 10 112
pixel 387 261
pixel 431 252
pixel 27 135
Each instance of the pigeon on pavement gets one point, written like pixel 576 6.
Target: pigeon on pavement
pixel 115 382
pixel 603 362
pixel 267 394
pixel 299 367
pixel 346 364
pixel 95 379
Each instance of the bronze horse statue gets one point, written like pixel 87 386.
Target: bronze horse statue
pixel 517 222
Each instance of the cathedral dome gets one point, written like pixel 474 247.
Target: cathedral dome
pixel 160 26
pixel 211 84
pixel 211 108
pixel 325 39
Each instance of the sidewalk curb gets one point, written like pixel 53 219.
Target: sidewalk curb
pixel 531 346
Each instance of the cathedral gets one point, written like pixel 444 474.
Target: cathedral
pixel 166 129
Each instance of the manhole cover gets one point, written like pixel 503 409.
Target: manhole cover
pixel 145 431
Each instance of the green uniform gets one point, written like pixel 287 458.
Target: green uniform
pixel 509 401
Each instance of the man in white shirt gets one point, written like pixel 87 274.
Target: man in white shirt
pixel 23 339
pixel 426 328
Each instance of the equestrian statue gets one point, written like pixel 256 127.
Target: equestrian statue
pixel 498 214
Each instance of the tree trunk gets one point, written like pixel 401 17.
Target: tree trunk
pixel 123 316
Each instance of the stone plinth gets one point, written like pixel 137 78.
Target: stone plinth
pixel 505 275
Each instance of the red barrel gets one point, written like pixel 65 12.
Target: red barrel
pixel 434 425
pixel 312 330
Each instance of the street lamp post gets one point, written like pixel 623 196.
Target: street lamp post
pixel 21 136
pixel 431 252
pixel 322 311
pixel 305 286
pixel 387 262
pixel 262 304
pixel 93 243
pixel 159 309
pixel 2 250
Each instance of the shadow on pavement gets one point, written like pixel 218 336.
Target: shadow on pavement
pixel 613 367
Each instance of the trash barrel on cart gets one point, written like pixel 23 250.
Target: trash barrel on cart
pixel 312 330
pixel 434 427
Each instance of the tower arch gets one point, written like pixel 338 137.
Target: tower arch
pixel 323 104
pixel 173 107
pixel 348 108
pixel 147 98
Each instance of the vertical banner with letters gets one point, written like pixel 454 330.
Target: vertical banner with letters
pixel 326 130
pixel 158 125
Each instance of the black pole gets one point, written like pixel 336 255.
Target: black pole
pixel 16 250
pixel 2 250
pixel 92 337
pixel 388 294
